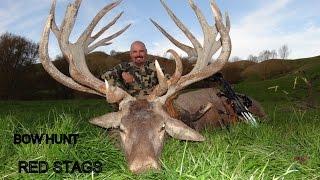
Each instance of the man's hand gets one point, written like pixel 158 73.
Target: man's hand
pixel 127 77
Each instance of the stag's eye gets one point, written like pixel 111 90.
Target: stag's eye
pixel 121 129
pixel 163 127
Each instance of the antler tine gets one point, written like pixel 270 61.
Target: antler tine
pixel 54 26
pixel 228 24
pixel 85 36
pixel 215 9
pixel 160 73
pixel 218 43
pixel 105 41
pixel 181 26
pixel 225 42
pixel 115 94
pixel 202 20
pixel 178 72
pixel 162 87
pixel 111 23
pixel 51 69
pixel 189 50
pixel 68 21
pixel 211 46
pixel 164 84
pixel 209 34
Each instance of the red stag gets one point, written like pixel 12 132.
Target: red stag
pixel 142 122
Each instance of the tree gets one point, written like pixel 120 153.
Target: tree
pixel 113 52
pixel 264 55
pixel 16 55
pixel 283 51
pixel 235 58
pixel 273 54
pixel 252 58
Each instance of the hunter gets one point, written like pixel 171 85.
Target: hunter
pixel 138 76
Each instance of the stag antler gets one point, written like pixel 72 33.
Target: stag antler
pixel 202 53
pixel 81 78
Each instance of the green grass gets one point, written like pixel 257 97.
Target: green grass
pixel 287 146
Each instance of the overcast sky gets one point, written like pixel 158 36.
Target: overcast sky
pixel 256 25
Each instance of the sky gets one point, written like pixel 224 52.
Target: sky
pixel 256 25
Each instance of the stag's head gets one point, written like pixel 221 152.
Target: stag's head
pixel 142 126
pixel 142 122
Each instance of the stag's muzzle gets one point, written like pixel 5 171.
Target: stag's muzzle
pixel 138 165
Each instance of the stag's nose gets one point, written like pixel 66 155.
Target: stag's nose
pixel 139 165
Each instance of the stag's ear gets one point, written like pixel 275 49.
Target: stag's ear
pixel 110 120
pixel 179 130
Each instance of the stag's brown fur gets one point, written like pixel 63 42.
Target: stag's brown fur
pixel 183 106
pixel 142 136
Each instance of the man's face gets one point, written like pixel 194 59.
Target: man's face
pixel 138 54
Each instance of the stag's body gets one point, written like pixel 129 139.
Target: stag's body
pixel 186 106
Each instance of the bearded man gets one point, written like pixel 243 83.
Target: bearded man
pixel 137 77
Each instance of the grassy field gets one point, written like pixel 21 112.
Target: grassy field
pixel 286 146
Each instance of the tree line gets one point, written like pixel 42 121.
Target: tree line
pixel 20 75
pixel 282 53
pixel 17 54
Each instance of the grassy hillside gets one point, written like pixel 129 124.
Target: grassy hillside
pixel 275 68
pixel 232 71
pixel 289 87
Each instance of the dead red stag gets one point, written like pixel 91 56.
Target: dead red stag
pixel 142 122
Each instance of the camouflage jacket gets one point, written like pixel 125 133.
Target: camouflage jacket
pixel 145 77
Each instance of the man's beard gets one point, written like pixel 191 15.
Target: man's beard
pixel 139 61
